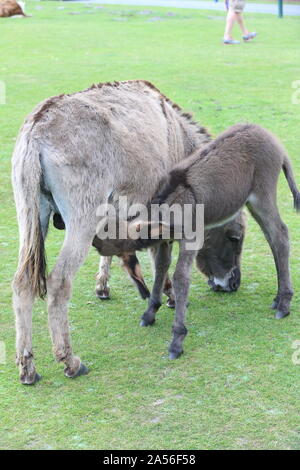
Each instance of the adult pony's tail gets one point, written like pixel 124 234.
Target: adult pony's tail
pixel 288 172
pixel 26 178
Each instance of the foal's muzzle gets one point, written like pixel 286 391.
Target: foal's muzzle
pixel 235 280
pixel 230 283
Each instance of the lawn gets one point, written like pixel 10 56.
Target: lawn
pixel 236 385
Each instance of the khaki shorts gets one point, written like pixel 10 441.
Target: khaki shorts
pixel 237 5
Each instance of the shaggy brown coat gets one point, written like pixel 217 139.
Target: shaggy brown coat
pixel 10 8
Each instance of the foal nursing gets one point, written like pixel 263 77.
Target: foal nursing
pixel 56 170
pixel 240 167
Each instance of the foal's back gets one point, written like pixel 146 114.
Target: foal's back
pixel 237 155
pixel 231 169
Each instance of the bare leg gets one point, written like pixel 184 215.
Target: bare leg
pixel 241 23
pixel 72 255
pixel 266 214
pixel 162 263
pixel 230 20
pixel 102 277
pixel 181 282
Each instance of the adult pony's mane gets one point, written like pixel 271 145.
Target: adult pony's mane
pixel 118 84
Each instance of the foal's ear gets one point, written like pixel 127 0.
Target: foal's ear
pixel 147 229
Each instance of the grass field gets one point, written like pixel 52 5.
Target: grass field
pixel 236 385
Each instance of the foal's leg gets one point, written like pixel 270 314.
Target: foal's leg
pixel 168 288
pixel 266 214
pixel 181 282
pixel 102 278
pixel 59 283
pixel 162 263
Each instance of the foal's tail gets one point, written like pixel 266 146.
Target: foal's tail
pixel 26 178
pixel 288 172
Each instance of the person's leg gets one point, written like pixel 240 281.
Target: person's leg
pixel 241 23
pixel 230 20
pixel 239 8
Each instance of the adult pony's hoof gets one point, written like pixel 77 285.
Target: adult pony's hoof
pixel 30 380
pixel 145 322
pixel 175 354
pixel 102 294
pixel 83 370
pixel 279 314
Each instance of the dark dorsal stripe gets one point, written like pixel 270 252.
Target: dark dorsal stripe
pixel 176 178
pixel 116 84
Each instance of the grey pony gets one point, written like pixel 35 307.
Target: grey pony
pixel 72 153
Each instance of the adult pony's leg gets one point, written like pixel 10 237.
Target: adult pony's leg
pixel 31 259
pixel 131 264
pixel 264 210
pixel 162 263
pixel 59 283
pixel 23 298
pixel 181 283
pixel 168 291
pixel 102 278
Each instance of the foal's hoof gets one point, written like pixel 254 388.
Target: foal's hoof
pixel 102 294
pixel 30 380
pixel 83 370
pixel 175 354
pixel 171 303
pixel 145 322
pixel 279 314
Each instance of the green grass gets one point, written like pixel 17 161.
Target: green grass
pixel 236 385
